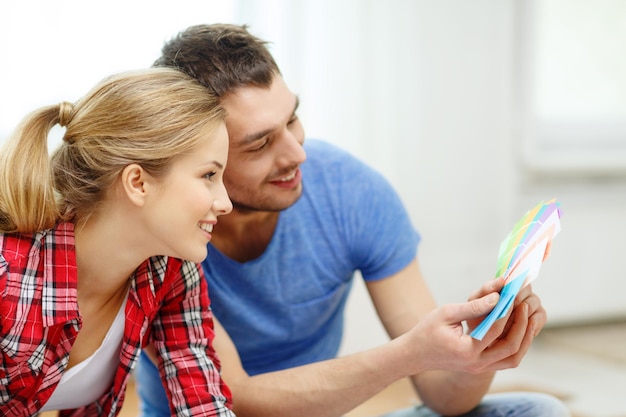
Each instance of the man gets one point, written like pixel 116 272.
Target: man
pixel 307 216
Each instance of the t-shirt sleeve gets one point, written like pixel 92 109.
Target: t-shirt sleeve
pixel 373 219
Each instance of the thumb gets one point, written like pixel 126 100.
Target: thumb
pixel 478 307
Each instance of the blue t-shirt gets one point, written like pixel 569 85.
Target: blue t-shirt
pixel 286 307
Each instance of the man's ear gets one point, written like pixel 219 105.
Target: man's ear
pixel 134 183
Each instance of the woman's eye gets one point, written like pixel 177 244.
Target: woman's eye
pixel 292 120
pixel 209 175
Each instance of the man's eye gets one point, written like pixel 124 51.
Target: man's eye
pixel 292 120
pixel 261 145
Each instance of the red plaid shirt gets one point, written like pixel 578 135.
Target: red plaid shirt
pixel 167 306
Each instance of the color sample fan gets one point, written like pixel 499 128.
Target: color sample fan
pixel 520 257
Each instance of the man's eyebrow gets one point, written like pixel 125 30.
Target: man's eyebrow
pixel 258 135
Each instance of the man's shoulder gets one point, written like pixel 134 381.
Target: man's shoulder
pixel 324 154
pixel 325 148
pixel 332 173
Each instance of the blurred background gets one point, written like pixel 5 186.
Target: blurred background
pixel 475 110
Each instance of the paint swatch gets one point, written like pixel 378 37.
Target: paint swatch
pixel 520 257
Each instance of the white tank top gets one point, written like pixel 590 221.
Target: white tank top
pixel 86 381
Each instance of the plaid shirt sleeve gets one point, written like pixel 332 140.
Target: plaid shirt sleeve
pixel 182 333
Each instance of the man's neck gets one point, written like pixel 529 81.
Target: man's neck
pixel 244 236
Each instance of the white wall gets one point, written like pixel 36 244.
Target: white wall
pixel 426 91
pixel 56 51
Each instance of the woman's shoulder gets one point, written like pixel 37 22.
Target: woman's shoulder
pixel 16 246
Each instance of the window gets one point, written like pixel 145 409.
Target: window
pixel 572 94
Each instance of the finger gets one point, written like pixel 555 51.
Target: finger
pixel 500 327
pixel 472 309
pixel 526 295
pixel 533 303
pixel 499 352
pixel 538 320
pixel 493 285
pixel 511 342
pixel 507 326
pixel 513 360
pixel 524 292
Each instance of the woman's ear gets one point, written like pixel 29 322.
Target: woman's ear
pixel 133 180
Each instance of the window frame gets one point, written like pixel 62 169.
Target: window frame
pixel 557 148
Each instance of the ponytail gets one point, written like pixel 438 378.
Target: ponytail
pixel 27 200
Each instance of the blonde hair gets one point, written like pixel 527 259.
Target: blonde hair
pixel 148 117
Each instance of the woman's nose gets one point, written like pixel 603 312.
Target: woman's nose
pixel 222 203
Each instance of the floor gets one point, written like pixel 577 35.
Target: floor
pixel 585 366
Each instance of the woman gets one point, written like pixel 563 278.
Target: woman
pixel 99 246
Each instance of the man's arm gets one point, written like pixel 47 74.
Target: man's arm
pixel 404 299
pixel 333 387
pixel 329 388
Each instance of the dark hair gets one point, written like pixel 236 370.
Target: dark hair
pixel 222 57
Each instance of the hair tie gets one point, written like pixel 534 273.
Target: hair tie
pixel 66 112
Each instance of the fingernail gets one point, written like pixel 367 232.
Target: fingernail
pixel 492 299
